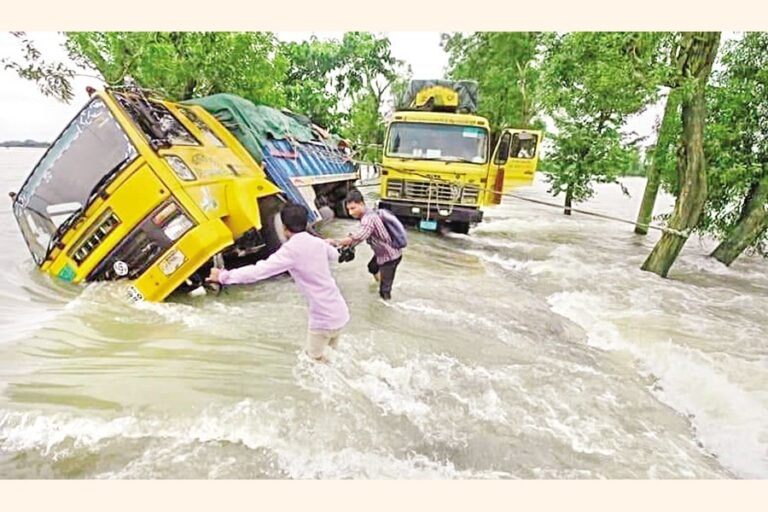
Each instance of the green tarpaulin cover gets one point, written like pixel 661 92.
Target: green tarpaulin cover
pixel 253 124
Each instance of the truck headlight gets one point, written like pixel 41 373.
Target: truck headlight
pixel 177 227
pixel 180 168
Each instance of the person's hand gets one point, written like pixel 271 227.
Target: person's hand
pixel 213 277
pixel 345 242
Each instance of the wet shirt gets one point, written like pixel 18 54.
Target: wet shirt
pixel 307 259
pixel 373 231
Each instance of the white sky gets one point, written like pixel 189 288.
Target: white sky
pixel 26 114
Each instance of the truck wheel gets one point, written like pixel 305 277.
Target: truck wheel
pixel 460 227
pixel 271 225
pixel 326 214
pixel 340 210
pixel 196 280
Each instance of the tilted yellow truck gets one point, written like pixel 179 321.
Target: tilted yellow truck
pixel 438 169
pixel 154 192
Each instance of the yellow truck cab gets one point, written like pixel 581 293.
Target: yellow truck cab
pixel 150 191
pixel 437 167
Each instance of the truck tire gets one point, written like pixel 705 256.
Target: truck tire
pixel 460 227
pixel 326 214
pixel 271 225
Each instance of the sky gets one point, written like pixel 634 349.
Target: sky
pixel 26 114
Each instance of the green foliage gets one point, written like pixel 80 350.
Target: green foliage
pixel 337 84
pixel 53 79
pixel 635 166
pixel 582 155
pixel 365 128
pixel 310 67
pixel 591 82
pixel 182 65
pixel 334 81
pixel 736 141
pixel 504 65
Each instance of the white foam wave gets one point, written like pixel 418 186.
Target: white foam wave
pixel 299 450
pixel 730 420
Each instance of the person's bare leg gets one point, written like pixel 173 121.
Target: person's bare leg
pixel 334 341
pixel 318 359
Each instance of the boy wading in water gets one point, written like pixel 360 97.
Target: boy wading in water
pixel 386 257
pixel 307 259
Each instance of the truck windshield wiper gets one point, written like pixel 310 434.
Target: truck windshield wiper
pixel 105 180
pixel 63 228
pixel 76 215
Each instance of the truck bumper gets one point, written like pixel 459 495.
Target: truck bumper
pixel 197 246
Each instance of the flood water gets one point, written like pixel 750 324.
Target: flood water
pixel 532 348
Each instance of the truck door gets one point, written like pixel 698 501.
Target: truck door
pixel 514 162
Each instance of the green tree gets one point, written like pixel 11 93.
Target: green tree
pixel 52 78
pixel 328 80
pixel 736 149
pixel 662 161
pixel 591 82
pixel 635 164
pixel 662 155
pixel 365 127
pixel 367 66
pixel 310 67
pixel 368 76
pixel 504 65
pixel 698 50
pixel 182 65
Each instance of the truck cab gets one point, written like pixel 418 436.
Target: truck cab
pixel 155 193
pixel 434 168
pixel 438 169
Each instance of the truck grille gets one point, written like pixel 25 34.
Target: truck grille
pixel 470 194
pixel 106 224
pixel 139 250
pixel 432 191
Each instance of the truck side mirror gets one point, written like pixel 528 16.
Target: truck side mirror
pixel 503 153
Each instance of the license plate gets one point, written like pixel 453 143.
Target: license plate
pixel 134 294
pixel 428 225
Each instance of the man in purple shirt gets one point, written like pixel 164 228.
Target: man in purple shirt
pixel 307 259
pixel 386 258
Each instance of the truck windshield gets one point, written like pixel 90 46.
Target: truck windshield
pixel 90 151
pixel 428 141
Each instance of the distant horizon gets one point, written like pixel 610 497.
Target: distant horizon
pixel 26 143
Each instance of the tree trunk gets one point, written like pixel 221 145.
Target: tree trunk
pixel 645 215
pixel 697 55
pixel 568 199
pixel 189 89
pixel 525 120
pixel 752 223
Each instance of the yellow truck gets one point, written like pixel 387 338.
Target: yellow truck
pixel 438 170
pixel 154 192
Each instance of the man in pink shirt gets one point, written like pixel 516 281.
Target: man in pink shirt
pixel 307 259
